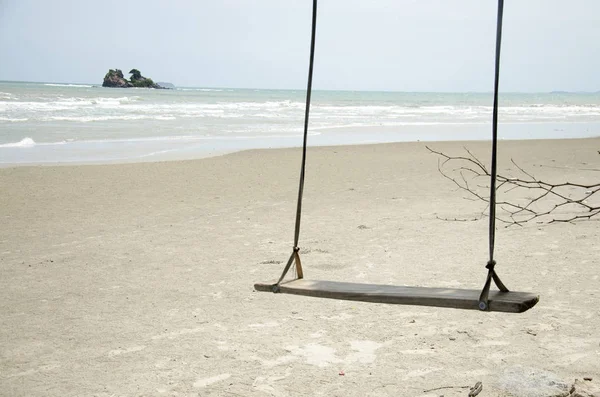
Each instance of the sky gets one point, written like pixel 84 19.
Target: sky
pixel 387 45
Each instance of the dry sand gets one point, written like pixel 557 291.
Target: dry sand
pixel 137 279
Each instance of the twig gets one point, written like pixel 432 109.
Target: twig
pixel 567 168
pixel 458 219
pixel 542 203
pixel 447 387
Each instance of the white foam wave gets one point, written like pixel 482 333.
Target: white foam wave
pixel 88 119
pixel 13 120
pixel 68 85
pixel 127 99
pixel 85 110
pixel 165 118
pixel 201 89
pixel 71 103
pixel 25 142
pixel 135 107
pixel 107 102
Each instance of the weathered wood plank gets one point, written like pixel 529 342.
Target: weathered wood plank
pixel 508 302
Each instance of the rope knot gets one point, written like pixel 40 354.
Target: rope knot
pixel 490 265
pixel 296 249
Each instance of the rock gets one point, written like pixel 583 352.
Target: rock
pixel 114 78
pixel 584 389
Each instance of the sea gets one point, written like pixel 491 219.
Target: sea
pixel 48 123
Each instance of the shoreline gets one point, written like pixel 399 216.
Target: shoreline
pixel 194 153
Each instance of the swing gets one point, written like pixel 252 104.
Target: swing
pixel 499 301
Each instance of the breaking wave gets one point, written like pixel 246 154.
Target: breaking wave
pixel 25 142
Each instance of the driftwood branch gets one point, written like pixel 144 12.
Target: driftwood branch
pixel 525 198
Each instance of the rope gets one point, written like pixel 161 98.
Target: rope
pixel 483 299
pixel 295 254
pixel 295 257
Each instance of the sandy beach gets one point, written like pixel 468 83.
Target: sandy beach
pixel 137 279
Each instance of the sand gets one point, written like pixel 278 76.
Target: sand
pixel 137 279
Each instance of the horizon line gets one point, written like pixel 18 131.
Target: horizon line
pixel 327 89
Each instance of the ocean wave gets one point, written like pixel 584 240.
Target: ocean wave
pixel 52 114
pixel 6 95
pixel 30 106
pixel 202 89
pixel 285 109
pixel 13 120
pixel 164 118
pixel 68 85
pixel 25 142
pixel 127 99
pixel 89 119
pixel 374 124
pixel 103 101
pixel 71 103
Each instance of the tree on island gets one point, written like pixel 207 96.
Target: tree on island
pixel 140 81
pixel 135 74
pixel 117 72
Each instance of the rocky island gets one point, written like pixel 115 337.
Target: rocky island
pixel 114 78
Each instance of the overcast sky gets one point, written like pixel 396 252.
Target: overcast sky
pixel 393 45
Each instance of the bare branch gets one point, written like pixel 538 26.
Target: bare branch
pixel 529 198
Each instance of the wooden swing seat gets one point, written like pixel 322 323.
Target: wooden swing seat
pixel 507 302
pixel 470 299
